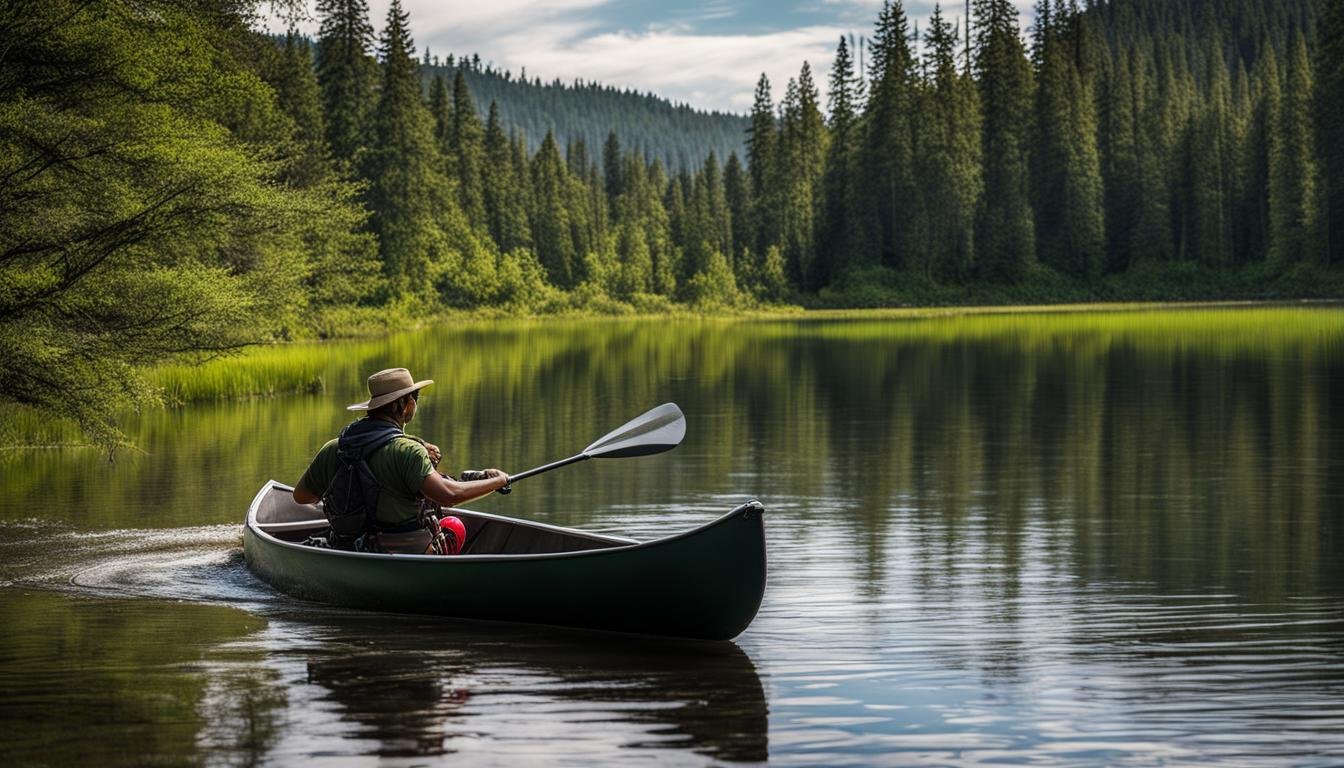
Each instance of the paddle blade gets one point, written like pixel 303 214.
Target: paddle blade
pixel 661 429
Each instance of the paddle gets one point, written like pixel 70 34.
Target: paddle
pixel 658 430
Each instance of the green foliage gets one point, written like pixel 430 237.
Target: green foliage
pixel 551 230
pixel 1329 111
pixel 888 192
pixel 949 161
pixel 467 149
pixel 347 74
pixel 839 235
pixel 1066 172
pixel 1294 178
pixel 414 216
pixel 714 286
pixel 135 229
pixel 174 185
pixel 1005 237
pixel 676 134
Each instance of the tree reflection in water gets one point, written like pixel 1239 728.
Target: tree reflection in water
pixel 422 688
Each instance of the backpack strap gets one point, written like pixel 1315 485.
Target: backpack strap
pixel 353 456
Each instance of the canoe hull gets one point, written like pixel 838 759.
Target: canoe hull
pixel 706 583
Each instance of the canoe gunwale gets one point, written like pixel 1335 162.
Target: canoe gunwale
pixel 623 544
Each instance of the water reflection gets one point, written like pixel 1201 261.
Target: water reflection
pixel 182 683
pixel 130 682
pixel 1103 539
pixel 423 688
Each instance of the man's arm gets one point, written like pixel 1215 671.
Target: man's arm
pixel 448 492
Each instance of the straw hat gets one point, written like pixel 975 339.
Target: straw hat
pixel 386 386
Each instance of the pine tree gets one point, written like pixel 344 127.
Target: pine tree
pixel 505 210
pixel 737 196
pixel 800 159
pixel 1120 150
pixel 1293 175
pixel 1160 105
pixel 612 169
pixel 888 189
pixel 949 158
pixel 297 93
pixel 1209 172
pixel 1066 173
pixel 441 108
pixel 837 238
pixel 346 73
pixel 407 192
pixel 661 246
pixel 551 231
pixel 761 163
pixel 467 144
pixel 1329 109
pixel 343 265
pixel 1005 239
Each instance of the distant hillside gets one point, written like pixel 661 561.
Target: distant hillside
pixel 678 135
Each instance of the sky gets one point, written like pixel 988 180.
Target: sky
pixel 706 53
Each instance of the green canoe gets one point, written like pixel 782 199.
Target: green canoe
pixel 706 583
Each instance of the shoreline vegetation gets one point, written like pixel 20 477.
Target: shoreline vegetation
pixel 306 366
pixel 288 368
pixel 176 185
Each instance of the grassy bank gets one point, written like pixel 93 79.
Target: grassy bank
pixel 460 349
pixel 307 366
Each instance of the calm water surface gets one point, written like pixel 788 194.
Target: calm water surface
pixel 1099 539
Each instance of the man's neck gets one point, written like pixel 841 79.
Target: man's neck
pixel 389 420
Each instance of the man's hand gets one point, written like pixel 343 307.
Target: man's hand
pixel 474 484
pixel 434 453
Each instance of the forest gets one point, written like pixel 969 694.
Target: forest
pixel 584 111
pixel 174 181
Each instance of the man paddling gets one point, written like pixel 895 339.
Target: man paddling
pixel 401 466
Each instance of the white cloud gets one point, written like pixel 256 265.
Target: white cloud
pixel 569 39
pixel 708 71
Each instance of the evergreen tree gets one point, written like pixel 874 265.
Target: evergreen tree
pixel 343 262
pixel 467 142
pixel 347 73
pixel 801 157
pixel 1120 148
pixel 612 169
pixel 1209 173
pixel 889 192
pixel 1005 239
pixel 761 163
pixel 1293 176
pixel 551 231
pixel 1066 173
pixel 949 157
pixel 505 209
pixel 441 109
pixel 838 237
pixel 408 194
pixel 297 94
pixel 737 196
pixel 1329 101
pixel 663 249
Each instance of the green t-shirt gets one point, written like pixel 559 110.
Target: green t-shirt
pixel 400 467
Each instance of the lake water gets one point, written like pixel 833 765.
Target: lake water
pixel 1057 539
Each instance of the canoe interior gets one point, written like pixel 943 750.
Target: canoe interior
pixel 278 515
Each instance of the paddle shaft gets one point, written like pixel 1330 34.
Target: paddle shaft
pixel 654 431
pixel 548 467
